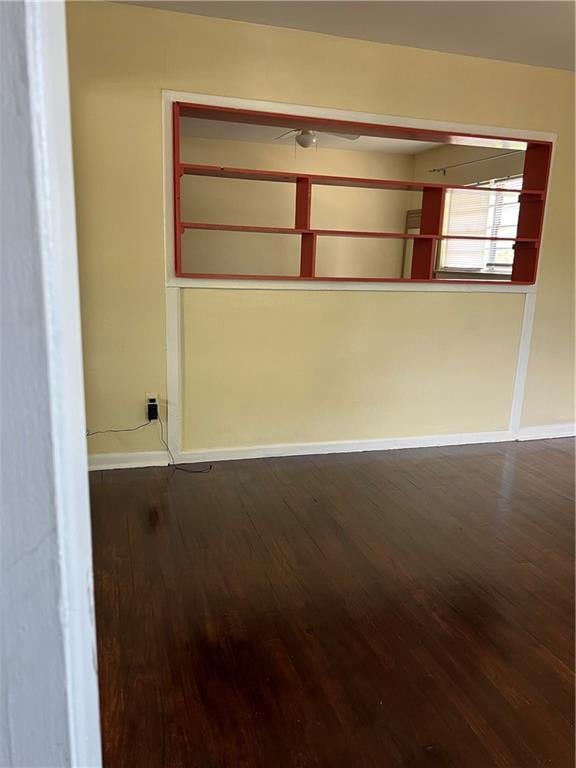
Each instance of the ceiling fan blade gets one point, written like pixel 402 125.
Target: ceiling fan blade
pixel 282 135
pixel 348 136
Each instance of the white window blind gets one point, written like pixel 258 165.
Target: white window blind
pixel 481 214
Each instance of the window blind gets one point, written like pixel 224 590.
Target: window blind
pixel 481 214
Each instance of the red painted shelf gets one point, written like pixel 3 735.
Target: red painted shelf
pixel 363 233
pixel 243 228
pixel 422 236
pixel 299 122
pixel 344 233
pixel 291 177
pixel 480 237
pixel 309 231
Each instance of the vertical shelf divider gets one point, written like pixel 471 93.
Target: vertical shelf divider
pixel 177 172
pixel 302 221
pixel 424 251
pixel 531 215
pixel 308 255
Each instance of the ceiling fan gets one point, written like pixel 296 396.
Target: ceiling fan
pixel 306 138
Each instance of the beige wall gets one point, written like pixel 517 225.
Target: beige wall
pixel 368 371
pixel 120 59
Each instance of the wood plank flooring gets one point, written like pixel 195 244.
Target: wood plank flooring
pixel 405 608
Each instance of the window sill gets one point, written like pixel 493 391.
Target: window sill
pixel 464 274
pixel 441 285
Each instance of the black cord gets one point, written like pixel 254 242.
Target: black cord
pixel 107 431
pixel 176 466
pixel 141 426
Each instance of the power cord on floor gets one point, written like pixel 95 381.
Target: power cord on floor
pixel 146 424
pixel 177 466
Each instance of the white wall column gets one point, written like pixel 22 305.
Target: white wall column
pixel 48 677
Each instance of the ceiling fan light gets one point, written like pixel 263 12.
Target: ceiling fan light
pixel 306 139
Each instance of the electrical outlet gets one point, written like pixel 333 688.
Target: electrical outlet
pixel 152 406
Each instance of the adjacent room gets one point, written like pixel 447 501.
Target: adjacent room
pixel 326 260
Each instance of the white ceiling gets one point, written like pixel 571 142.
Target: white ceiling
pixel 265 134
pixel 533 32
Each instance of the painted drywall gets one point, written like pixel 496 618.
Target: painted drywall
pixel 121 59
pixel 407 371
pixel 258 203
pixel 48 683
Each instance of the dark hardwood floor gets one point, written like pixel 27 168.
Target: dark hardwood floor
pixel 406 608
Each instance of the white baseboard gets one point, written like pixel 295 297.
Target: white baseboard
pixel 340 446
pixel 128 460
pixel 547 431
pixel 161 459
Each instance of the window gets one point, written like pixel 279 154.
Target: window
pixel 483 214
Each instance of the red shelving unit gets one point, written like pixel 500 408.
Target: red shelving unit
pixel 532 197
